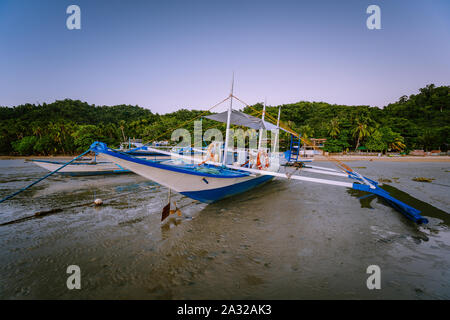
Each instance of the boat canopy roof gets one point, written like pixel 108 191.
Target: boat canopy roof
pixel 242 119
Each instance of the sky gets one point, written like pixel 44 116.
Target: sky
pixel 167 55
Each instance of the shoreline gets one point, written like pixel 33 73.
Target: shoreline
pixel 318 158
pixel 384 158
pixel 36 157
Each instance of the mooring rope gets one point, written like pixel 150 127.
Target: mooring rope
pixel 41 214
pixel 44 177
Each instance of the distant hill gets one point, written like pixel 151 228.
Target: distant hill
pixel 421 120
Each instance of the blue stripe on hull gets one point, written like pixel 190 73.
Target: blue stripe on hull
pixel 100 147
pixel 212 195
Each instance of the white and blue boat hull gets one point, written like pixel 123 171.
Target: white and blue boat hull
pixel 212 195
pixel 200 185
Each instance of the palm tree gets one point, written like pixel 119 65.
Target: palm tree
pixel 37 131
pixel 54 132
pixel 122 126
pixel 398 144
pixel 360 131
pixel 306 131
pixel 334 130
pixel 427 139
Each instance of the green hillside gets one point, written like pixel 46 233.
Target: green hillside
pixel 420 121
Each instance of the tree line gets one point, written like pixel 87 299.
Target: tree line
pixel 418 121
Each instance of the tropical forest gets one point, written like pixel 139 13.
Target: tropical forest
pixel 67 127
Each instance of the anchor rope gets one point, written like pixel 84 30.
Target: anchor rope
pixel 40 214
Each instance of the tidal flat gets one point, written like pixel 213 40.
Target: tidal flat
pixel 283 240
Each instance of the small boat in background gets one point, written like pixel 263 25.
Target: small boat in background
pixel 90 167
pixel 81 168
pixel 144 152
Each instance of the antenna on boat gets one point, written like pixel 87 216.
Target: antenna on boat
pixel 227 134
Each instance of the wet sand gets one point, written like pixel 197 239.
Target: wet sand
pixel 284 240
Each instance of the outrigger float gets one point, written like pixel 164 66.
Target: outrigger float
pixel 216 175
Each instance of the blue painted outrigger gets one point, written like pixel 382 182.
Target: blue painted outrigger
pixel 408 211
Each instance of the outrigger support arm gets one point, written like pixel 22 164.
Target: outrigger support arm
pixel 410 212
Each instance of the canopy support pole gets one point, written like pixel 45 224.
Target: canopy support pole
pixel 227 134
pixel 261 130
pixel 276 144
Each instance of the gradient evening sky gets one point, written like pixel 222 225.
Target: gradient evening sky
pixel 165 55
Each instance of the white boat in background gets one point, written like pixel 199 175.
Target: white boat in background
pixel 81 168
pixel 88 167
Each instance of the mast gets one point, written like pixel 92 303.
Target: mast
pixel 278 130
pixel 278 120
pixel 227 134
pixel 261 130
